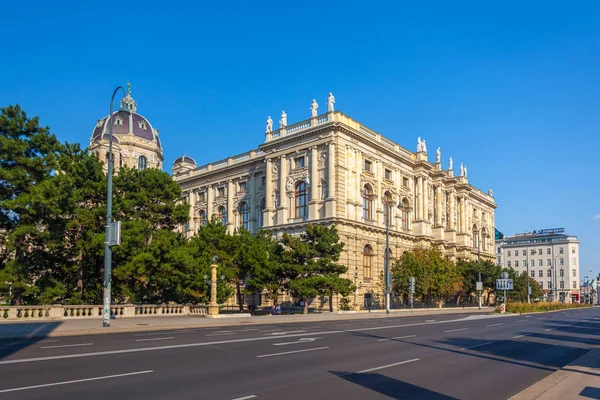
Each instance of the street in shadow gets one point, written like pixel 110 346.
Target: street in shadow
pixel 393 388
pixel 590 392
pixel 17 336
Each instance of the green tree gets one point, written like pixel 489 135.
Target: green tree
pixel 311 264
pixel 28 157
pixel 435 276
pixel 520 286
pixel 469 270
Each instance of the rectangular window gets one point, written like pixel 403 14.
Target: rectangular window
pixel 540 262
pixel 509 253
pixel 540 252
pixel 562 284
pixel 573 250
pixel 560 250
pixel 561 273
pixel 263 181
pixel 517 264
pixel 561 261
pixel 405 182
pixel 574 272
pixel 533 274
pixel 388 174
pixel 368 166
pixel 498 250
pixel 516 253
pixel 299 162
pixel 549 273
pixel 573 261
pixel 549 284
pixel 532 252
pixel 509 264
pixel 221 191
pixel 243 186
pixel 540 274
pixel 574 284
pixel 548 250
pixel 532 263
pixel 548 262
pixel 202 196
pixel 525 263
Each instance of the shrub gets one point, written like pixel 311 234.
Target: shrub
pixel 520 308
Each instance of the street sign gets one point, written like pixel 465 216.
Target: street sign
pixel 504 284
pixel 411 283
pixel 114 233
pixel 479 286
pixel 504 275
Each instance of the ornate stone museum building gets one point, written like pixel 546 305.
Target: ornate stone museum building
pixel 135 142
pixel 331 169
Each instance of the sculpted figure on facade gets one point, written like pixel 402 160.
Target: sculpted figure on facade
pixel 269 124
pixel 419 145
pixel 313 108
pixel 491 193
pixel 330 102
pixel 462 170
pixel 322 157
pixel 424 146
pixel 450 164
pixel 283 120
pixel 466 172
pixel 438 156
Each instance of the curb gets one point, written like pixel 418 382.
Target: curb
pixel 225 323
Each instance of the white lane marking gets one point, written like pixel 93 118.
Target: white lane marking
pixel 456 330
pixel 156 338
pixel 200 344
pixel 164 333
pixel 396 338
pixel 49 341
pixel 430 320
pixel 291 352
pixel 223 331
pixel 245 397
pixel 518 336
pixel 285 333
pixel 75 381
pixel 494 324
pixel 522 320
pixel 551 329
pixel 66 345
pixel 248 330
pixel 220 334
pixel 387 366
pixel 302 340
pixel 477 345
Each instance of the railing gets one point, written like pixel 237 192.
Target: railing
pixel 298 127
pixel 367 131
pixel 54 312
pixel 322 120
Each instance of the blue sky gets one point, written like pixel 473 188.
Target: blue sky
pixel 511 89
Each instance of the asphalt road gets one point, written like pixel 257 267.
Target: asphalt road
pixel 426 357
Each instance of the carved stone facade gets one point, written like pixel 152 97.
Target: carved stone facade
pixel 330 169
pixel 135 142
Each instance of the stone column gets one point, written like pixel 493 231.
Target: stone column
pixel 439 205
pixel 419 202
pixel 213 306
pixel 253 215
pixel 331 196
pixel 314 184
pixel 191 227
pixel 230 221
pixel 282 210
pixel 378 206
pixel 425 199
pixel 269 192
pixel 358 199
pixel 452 210
pixel 210 191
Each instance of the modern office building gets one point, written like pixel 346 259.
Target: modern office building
pixel 549 255
pixel 331 169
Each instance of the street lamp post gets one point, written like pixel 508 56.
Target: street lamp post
pixel 555 297
pixel 107 249
pixel 387 254
pixel 528 287
pixel 479 291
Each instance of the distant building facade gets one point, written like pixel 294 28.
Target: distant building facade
pixel 331 169
pixel 550 256
pixel 135 141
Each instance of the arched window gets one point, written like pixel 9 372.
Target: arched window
pixel 260 213
pixel 483 238
pixel 244 215
pixel 387 208
pixel 323 190
pixel 405 213
pixel 223 215
pixel 367 262
pixel 301 200
pixel 142 162
pixel 367 197
pixel 120 160
pixel 202 216
pixel 475 236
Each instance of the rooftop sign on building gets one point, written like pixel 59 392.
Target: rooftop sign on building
pixel 554 231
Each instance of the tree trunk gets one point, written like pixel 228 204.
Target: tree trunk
pixel 331 302
pixel 238 290
pixel 80 274
pixel 305 309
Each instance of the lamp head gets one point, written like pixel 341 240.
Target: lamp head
pixel 214 259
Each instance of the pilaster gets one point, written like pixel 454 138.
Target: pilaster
pixel 331 195
pixel 314 183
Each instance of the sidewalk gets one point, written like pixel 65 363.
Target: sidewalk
pixel 578 380
pixel 18 329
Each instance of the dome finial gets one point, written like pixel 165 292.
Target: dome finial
pixel 129 88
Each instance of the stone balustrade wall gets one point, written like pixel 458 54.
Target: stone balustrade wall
pixel 56 312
